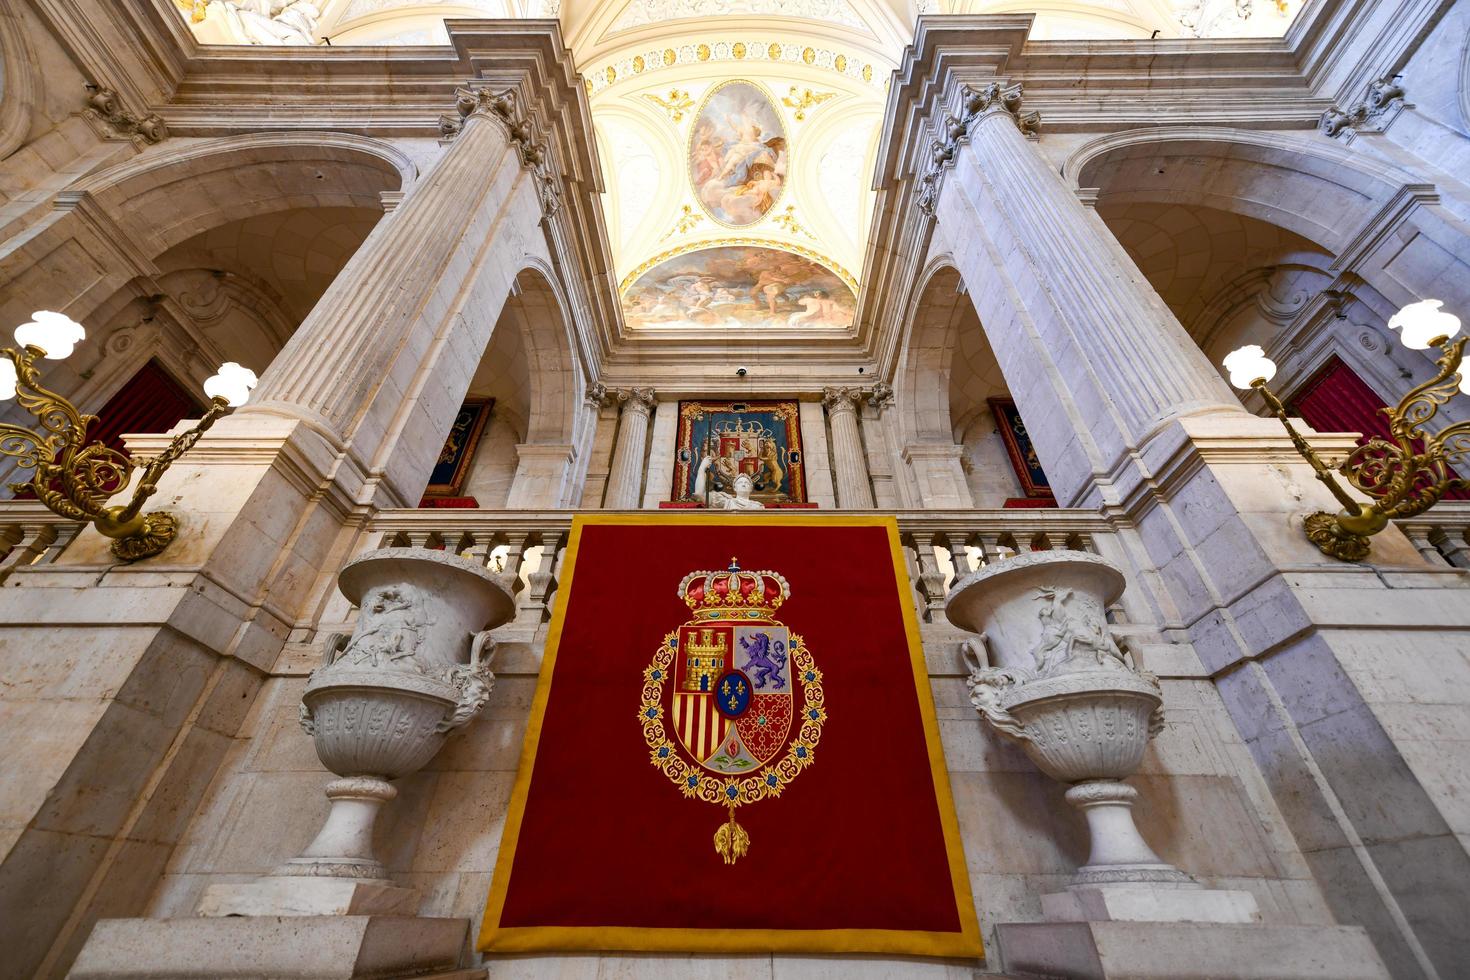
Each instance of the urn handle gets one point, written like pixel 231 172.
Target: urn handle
pixel 333 647
pixel 473 680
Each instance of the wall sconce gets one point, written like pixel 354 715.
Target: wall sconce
pixel 1401 479
pixel 75 479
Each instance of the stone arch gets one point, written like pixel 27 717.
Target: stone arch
pixel 107 230
pixel 1381 238
pixel 1257 174
pixel 530 368
pixel 17 81
pixel 168 194
pixel 921 387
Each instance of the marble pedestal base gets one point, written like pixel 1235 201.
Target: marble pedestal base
pixel 301 895
pixel 1188 951
pixel 336 947
pixel 1149 902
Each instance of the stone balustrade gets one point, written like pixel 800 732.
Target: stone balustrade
pixel 31 535
pixel 1442 535
pixel 940 546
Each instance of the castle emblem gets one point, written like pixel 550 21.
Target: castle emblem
pixel 732 702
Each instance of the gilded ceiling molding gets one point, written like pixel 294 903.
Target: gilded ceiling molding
pixel 676 105
pixel 807 253
pixel 745 51
pixel 978 102
pixel 520 132
pixel 800 100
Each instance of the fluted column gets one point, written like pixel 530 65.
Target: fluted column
pixel 1085 342
pixel 849 465
pixel 630 452
pixel 337 361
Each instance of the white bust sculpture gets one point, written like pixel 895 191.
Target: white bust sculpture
pixel 718 499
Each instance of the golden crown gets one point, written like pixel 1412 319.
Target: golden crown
pixel 734 590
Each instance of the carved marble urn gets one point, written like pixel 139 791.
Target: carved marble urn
pixel 415 668
pixel 1047 671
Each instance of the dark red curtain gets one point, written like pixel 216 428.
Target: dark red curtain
pixel 151 401
pixel 1337 400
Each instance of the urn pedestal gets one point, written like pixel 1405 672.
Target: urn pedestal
pixel 1047 671
pixel 416 667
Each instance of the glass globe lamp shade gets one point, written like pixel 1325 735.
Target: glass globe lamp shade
pixel 54 333
pixel 1420 323
pixel 7 379
pixel 232 383
pixel 1248 364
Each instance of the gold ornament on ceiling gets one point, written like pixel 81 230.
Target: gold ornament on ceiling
pixel 804 99
pixel 787 219
pixel 686 221
pixel 630 66
pixel 676 105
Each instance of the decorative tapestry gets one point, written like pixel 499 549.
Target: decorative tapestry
pixel 759 439
pixel 732 754
pixel 454 460
pixel 1018 446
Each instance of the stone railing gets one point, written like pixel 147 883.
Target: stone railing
pixel 940 545
pixel 1443 534
pixel 31 535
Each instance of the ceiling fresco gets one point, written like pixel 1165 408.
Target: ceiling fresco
pixel 739 286
pixel 737 154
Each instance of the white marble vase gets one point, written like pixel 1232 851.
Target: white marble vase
pixel 1047 671
pixel 384 699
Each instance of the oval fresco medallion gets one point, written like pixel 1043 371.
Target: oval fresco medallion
pixel 739 286
pixel 737 154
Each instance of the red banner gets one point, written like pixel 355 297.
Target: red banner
pixel 732 755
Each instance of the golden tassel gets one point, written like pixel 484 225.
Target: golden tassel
pixel 731 840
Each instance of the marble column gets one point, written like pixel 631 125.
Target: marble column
pixel 1128 416
pixel 630 452
pixel 849 465
pixel 387 321
pixel 1120 364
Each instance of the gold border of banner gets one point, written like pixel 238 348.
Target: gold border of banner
pixel 965 944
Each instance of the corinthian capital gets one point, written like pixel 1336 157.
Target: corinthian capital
pixel 520 132
pixel 637 399
pixel 842 399
pixel 996 97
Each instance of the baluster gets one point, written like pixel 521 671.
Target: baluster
pixel 959 553
pixel 478 548
pixel 516 551
pixel 931 579
pixel 419 539
pixel 990 547
pixel 1421 536
pixel 1452 545
pixel 27 542
pixel 543 579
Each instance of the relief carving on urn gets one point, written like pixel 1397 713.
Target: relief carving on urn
pixel 415 668
pixel 1047 671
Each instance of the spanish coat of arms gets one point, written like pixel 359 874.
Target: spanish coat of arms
pixel 732 702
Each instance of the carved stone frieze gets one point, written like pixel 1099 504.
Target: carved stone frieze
pixel 955 132
pixel 113 122
pixel 520 131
